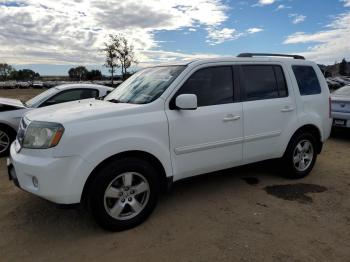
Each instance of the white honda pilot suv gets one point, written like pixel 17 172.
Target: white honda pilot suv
pixel 166 123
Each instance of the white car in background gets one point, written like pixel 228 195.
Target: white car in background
pixel 12 110
pixel 341 107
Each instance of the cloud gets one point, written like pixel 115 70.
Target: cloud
pixel 73 31
pixel 282 7
pixel 265 2
pixel 330 44
pixel 346 3
pixel 254 30
pixel 218 36
pixel 297 19
pixel 161 56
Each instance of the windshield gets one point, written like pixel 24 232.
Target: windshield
pixel 146 85
pixel 344 91
pixel 40 98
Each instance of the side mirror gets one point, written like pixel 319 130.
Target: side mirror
pixel 186 102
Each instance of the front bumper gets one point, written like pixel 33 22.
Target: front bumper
pixel 12 173
pixel 55 177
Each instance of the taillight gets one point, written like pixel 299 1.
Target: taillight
pixel 330 107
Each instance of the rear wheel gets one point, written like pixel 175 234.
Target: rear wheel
pixel 300 156
pixel 124 193
pixel 7 136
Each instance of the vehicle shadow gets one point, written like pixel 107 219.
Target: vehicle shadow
pixel 342 134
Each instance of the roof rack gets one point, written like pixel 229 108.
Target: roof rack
pixel 265 54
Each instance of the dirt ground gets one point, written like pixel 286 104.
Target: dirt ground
pixel 242 214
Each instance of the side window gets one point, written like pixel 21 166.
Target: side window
pixel 89 93
pixel 307 80
pixel 212 85
pixel 71 95
pixel 259 82
pixel 281 81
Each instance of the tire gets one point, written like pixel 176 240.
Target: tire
pixel 116 212
pixel 301 149
pixel 7 136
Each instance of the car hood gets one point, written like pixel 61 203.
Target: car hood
pixel 11 102
pixel 79 111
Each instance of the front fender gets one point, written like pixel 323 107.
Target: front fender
pixel 100 152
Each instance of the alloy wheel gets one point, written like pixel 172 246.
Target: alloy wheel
pixel 126 196
pixel 303 155
pixel 4 141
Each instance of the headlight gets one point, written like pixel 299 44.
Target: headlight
pixel 42 135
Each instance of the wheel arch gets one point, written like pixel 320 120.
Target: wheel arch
pixel 312 129
pixel 165 181
pixel 2 124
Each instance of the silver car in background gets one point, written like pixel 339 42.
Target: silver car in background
pixel 12 110
pixel 341 107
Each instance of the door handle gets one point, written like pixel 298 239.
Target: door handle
pixel 287 109
pixel 231 118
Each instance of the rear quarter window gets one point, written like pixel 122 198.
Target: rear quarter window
pixel 307 80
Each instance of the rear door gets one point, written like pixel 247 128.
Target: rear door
pixel 268 110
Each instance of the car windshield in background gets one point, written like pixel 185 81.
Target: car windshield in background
pixel 344 91
pixel 35 101
pixel 146 85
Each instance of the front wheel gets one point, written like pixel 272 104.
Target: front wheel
pixel 7 136
pixel 300 156
pixel 124 194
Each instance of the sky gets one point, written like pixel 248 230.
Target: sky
pixel 51 36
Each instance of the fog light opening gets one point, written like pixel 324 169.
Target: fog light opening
pixel 35 182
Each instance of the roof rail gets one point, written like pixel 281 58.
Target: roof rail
pixel 266 54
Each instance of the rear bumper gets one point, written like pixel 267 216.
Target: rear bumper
pixel 341 116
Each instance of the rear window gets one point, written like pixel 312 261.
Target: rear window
pixel 307 80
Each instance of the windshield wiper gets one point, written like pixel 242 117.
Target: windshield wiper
pixel 24 103
pixel 115 101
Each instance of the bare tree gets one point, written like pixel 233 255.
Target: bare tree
pixel 126 55
pixel 5 71
pixel 111 61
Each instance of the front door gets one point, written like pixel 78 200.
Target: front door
pixel 210 137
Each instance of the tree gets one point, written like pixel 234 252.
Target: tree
pixel 6 71
pixel 78 73
pixel 111 61
pixel 343 67
pixel 26 75
pixel 119 53
pixel 94 75
pixel 125 53
pixel 71 73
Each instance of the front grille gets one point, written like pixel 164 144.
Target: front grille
pixel 22 129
